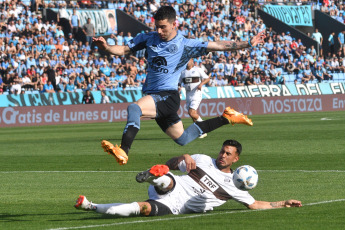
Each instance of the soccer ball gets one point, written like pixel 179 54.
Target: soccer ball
pixel 245 177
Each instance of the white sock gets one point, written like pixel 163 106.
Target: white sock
pixel 199 119
pixel 118 209
pixel 161 182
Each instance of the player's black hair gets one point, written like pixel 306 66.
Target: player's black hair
pixel 165 12
pixel 235 144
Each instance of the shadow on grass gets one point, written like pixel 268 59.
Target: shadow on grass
pixel 6 217
pixel 163 137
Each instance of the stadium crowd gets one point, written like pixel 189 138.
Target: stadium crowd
pixel 36 55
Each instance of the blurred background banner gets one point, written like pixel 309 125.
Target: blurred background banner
pixel 104 20
pixel 122 96
pixel 91 113
pixel 291 15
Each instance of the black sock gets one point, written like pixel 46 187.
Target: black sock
pixel 128 138
pixel 212 124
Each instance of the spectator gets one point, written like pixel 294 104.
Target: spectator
pixel 341 39
pixel 331 42
pixel 88 98
pixel 48 87
pixel 319 74
pixel 89 30
pixel 317 36
pixel 75 22
pixel 104 98
pixel 307 75
pixel 249 79
pixel 280 80
pixel 70 87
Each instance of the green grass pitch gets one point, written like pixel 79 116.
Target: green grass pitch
pixel 300 156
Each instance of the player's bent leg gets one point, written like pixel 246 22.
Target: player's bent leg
pixel 230 116
pixel 154 208
pixel 156 176
pixel 117 209
pixel 193 114
pixel 132 127
pixel 186 136
pixel 145 208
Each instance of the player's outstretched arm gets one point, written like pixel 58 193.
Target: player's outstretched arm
pixel 233 45
pixel 114 50
pixel 277 204
pixel 189 161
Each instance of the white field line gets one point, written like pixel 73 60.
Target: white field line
pixel 297 170
pixel 184 217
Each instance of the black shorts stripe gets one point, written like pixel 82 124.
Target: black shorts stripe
pixel 158 209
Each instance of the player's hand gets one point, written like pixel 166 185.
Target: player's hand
pixel 259 38
pixel 100 42
pixel 293 203
pixel 199 87
pixel 190 162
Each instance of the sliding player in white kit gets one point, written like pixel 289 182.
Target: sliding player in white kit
pixel 193 78
pixel 208 184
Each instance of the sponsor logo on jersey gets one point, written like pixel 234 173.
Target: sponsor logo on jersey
pixel 227 179
pixel 198 191
pixel 154 47
pixel 209 183
pixel 173 48
pixel 158 64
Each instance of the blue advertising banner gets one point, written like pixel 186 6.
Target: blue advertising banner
pixel 104 20
pixel 291 15
pixel 123 96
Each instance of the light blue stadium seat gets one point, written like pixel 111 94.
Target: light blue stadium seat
pixel 279 70
pixel 291 77
pixel 336 76
pixel 341 76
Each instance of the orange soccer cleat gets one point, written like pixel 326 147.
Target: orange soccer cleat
pixel 235 117
pixel 83 203
pixel 152 173
pixel 120 155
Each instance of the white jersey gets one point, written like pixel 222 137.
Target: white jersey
pixel 201 189
pixel 187 77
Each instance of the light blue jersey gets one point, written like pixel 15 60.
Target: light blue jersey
pixel 166 60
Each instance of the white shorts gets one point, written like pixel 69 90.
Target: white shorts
pixel 174 199
pixel 193 99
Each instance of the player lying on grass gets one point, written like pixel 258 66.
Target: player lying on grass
pixel 208 184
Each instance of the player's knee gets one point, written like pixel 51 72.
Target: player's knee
pixel 134 114
pixel 134 109
pixel 145 208
pixel 182 140
pixel 191 133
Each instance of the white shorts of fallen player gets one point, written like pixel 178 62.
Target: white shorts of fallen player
pixel 193 99
pixel 185 198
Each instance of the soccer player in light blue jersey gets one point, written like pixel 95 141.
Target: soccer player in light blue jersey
pixel 168 53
